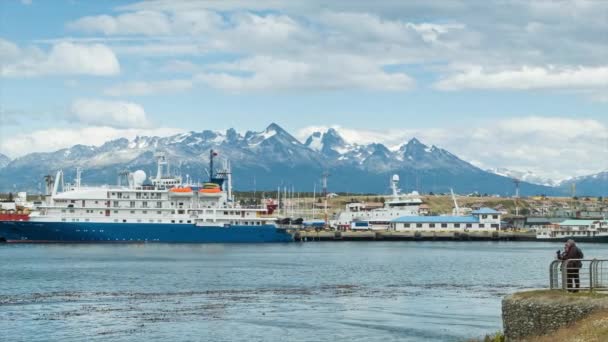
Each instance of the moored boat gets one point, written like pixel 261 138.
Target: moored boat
pixel 164 210
pixel 578 230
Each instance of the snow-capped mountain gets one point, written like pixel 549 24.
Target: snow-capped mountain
pixel 595 184
pixel 267 159
pixel 526 176
pixel 4 160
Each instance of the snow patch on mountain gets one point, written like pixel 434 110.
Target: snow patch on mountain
pixel 526 176
pixel 4 160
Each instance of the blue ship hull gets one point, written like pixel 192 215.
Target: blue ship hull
pixel 80 232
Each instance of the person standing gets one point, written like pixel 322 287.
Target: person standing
pixel 572 252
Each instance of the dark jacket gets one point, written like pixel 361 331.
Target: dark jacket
pixel 573 253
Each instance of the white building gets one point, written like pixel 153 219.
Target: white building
pixel 482 220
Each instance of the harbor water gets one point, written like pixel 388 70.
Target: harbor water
pixel 315 291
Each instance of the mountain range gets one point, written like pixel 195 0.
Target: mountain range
pixel 274 158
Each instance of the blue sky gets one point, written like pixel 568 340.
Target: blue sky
pixel 520 85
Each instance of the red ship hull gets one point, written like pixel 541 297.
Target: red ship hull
pixel 14 217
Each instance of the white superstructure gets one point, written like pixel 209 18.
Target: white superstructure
pixel 162 199
pixel 358 216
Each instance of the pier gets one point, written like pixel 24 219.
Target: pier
pixel 389 235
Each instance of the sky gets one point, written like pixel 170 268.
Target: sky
pixel 521 85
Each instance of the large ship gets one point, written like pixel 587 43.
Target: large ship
pixel 156 209
pixel 359 216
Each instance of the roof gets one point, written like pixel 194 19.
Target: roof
pixel 578 222
pixel 485 210
pixel 436 219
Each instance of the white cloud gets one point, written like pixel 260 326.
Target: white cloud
pixel 527 78
pixel 141 22
pixel 64 58
pixel 551 147
pixel 26 2
pixel 53 139
pixel 330 72
pixel 109 113
pixel 142 88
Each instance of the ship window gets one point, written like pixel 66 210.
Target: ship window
pixel 115 211
pixel 138 220
pixel 124 221
pixel 432 225
pixel 189 221
pixel 456 225
pixel 144 204
pixel 119 195
pixel 406 225
pixel 63 210
pixel 151 221
pixel 481 225
pixel 419 225
pixel 444 225
pixel 132 211
pixel 63 219
pixel 159 204
pixel 469 225
pixel 494 225
pixel 132 204
pixel 96 202
pixel 138 195
pixel 144 211
pixel 494 216
pixel 484 216
pixel 113 194
pixel 180 212
pixel 115 220
pixel 71 210
pixel 159 212
pixel 172 221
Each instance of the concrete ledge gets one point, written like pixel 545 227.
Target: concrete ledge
pixel 536 313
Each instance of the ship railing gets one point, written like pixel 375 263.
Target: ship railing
pixel 566 275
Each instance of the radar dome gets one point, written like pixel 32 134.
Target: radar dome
pixel 395 178
pixel 139 177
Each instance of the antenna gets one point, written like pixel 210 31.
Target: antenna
pixel 78 177
pixel 325 175
pixel 516 182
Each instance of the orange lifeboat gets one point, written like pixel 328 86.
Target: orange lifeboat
pixel 210 188
pixel 182 191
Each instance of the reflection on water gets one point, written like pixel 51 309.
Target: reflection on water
pixel 406 291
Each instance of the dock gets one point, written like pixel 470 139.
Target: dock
pixel 388 235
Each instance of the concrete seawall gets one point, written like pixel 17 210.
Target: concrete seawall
pixel 386 235
pixel 537 313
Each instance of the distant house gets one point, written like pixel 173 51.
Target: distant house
pixel 424 209
pixel 477 206
pixel 501 209
pixel 542 222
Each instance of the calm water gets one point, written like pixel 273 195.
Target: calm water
pixel 393 291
